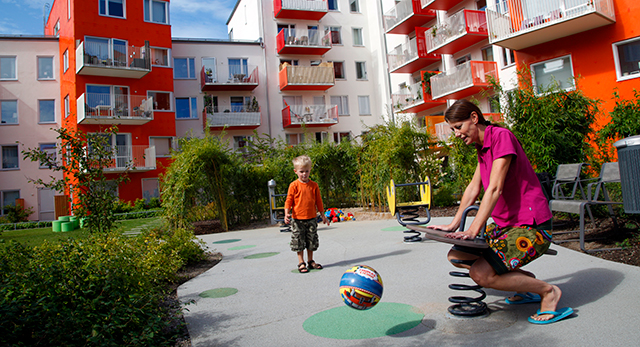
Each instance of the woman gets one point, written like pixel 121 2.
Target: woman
pixel 514 199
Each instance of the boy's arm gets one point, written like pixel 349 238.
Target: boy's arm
pixel 288 204
pixel 320 207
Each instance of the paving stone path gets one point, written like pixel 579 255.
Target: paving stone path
pixel 148 225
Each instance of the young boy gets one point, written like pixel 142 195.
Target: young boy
pixel 303 199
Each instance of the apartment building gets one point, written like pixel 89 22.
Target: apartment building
pixel 325 70
pixel 30 107
pixel 116 69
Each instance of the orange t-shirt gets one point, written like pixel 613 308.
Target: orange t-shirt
pixel 303 199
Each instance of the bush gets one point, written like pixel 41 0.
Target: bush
pixel 104 290
pixel 17 213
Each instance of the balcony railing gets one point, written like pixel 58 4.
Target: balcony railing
pixel 464 80
pixel 412 55
pixel 406 16
pixel 136 157
pixel 101 59
pixel 414 99
pixel 224 77
pixel 307 77
pixel 442 5
pixel 310 42
pixel 300 9
pixel 459 31
pixel 533 22
pixel 443 131
pixel 294 116
pixel 97 108
pixel 232 120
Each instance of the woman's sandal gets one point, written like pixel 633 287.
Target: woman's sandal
pixel 302 268
pixel 314 265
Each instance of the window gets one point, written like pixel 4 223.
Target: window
pixel 339 137
pixel 315 62
pixel 163 145
pixel 160 57
pixel 481 5
pixel 156 11
pixel 8 68
pixel 361 70
pixel 99 98
pixel 343 104
pixel 241 143
pixel 357 37
pixel 627 58
pixel 68 9
pixel 502 7
pixel 187 108
pixel 161 100
pixel 354 6
pixel 211 103
pixel 9 111
pixel 321 136
pixel 107 51
pixel 209 65
pixel 67 110
pixel 65 60
pixel 557 70
pixel 338 70
pixel 289 61
pixel 10 158
pixel 46 111
pixel 50 150
pixel 8 199
pixel 494 104
pixel 56 28
pixel 150 189
pixel 294 139
pixel 238 103
pixel 184 68
pixel 333 5
pixel 289 33
pixel 335 35
pixel 508 57
pixel 238 68
pixel 45 68
pixel 463 60
pixel 487 54
pixel 363 105
pixel 113 8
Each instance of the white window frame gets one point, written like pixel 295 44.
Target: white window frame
pixel 241 143
pixel 344 73
pixel 616 56
pixel 2 193
pixel 65 60
pixel 106 9
pixel 67 110
pixel 357 7
pixel 322 136
pixel 533 75
pixel 172 145
pixel 40 112
pixel 191 73
pixel 148 11
pixel 214 69
pixel 193 112
pixel 361 69
pixel 331 29
pixel 68 9
pixel 2 168
pixel 155 100
pixel 53 76
pixel 364 105
pixel 343 104
pixel 51 152
pixel 15 68
pixel 357 36
pixel 506 58
pixel 161 49
pixel 17 112
pixel 336 3
pixel 56 28
pixel 338 136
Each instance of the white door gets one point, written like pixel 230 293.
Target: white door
pixel 46 206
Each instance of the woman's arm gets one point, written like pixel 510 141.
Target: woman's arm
pixel 499 170
pixel 468 198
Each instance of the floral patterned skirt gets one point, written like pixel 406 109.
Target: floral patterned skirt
pixel 511 248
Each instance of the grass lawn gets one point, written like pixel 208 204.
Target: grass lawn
pixel 34 237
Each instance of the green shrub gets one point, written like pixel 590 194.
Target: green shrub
pixel 445 196
pixel 17 213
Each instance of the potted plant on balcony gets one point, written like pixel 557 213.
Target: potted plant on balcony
pixel 253 106
pixel 426 80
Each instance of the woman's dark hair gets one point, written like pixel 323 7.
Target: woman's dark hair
pixel 461 110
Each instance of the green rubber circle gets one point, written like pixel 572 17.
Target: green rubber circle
pixel 346 323
pixel 396 228
pixel 218 292
pixel 261 255
pixel 241 247
pixel 227 241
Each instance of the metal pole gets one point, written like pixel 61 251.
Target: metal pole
pixel 272 191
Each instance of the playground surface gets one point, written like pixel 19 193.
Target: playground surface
pixel 256 297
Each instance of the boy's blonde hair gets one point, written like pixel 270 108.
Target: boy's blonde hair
pixel 301 162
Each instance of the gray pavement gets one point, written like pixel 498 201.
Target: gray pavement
pixel 273 301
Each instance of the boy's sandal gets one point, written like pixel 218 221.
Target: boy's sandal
pixel 302 268
pixel 314 265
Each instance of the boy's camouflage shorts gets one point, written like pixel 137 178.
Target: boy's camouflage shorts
pixel 304 235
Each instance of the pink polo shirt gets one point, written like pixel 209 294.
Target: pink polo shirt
pixel 522 201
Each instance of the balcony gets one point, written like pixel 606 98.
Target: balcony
pixel 300 9
pixel 493 117
pixel 135 158
pixel 231 120
pixel 307 77
pixel 309 42
pixel 442 5
pixel 96 108
pixel 412 55
pixel 464 80
pixel 101 59
pixel 459 31
pixel 228 78
pixel 313 116
pixel 414 99
pixel 403 18
pixel 443 131
pixel 533 22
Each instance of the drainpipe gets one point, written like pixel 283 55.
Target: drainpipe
pixel 264 63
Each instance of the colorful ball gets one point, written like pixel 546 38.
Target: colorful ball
pixel 361 287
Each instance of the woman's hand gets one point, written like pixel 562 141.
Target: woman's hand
pixel 463 235
pixel 449 227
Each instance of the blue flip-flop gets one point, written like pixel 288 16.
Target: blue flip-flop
pixel 526 298
pixel 557 315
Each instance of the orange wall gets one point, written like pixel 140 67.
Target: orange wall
pixel 592 56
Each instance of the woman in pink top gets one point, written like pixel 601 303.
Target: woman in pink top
pixel 514 199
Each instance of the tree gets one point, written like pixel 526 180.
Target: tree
pixel 82 159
